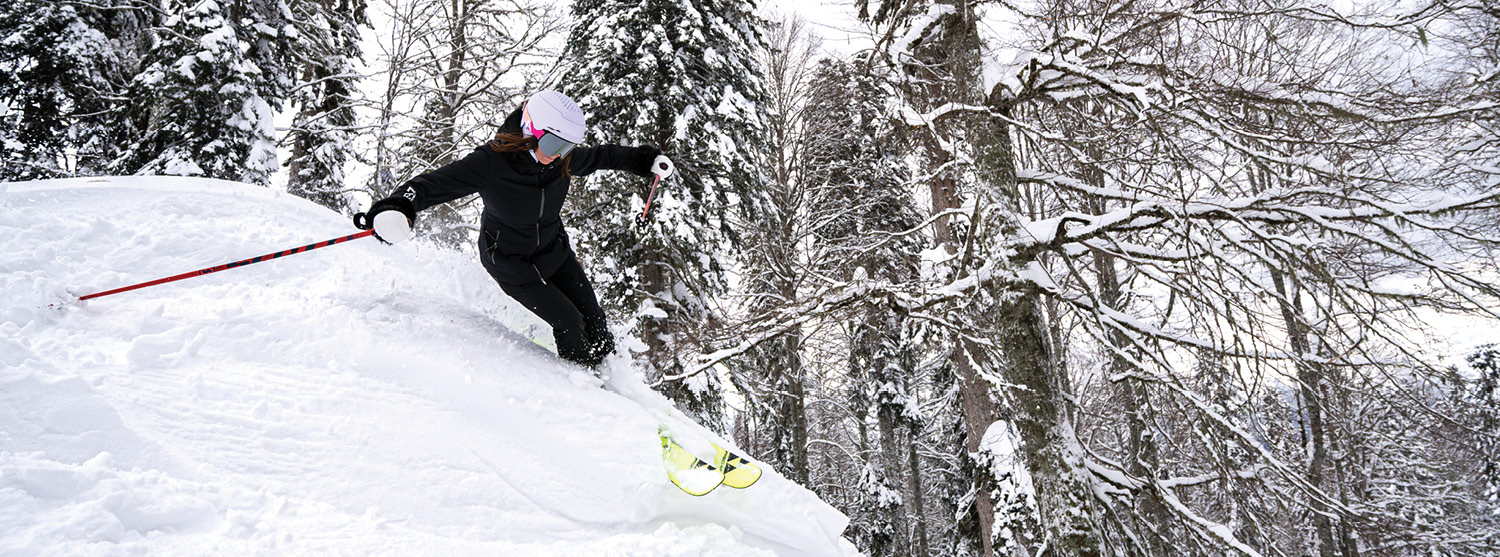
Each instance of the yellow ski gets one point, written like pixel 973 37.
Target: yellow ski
pixel 688 472
pixel 738 472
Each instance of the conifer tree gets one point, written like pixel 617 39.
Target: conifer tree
pixel 62 69
pixel 203 104
pixel 681 75
pixel 863 212
pixel 321 136
pixel 1486 362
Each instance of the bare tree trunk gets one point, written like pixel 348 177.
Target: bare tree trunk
pixel 777 391
pixel 1310 377
pixel 1142 457
pixel 918 498
pixel 887 420
pixel 1049 446
pixel 939 77
pixel 979 413
pixel 796 411
pixel 447 113
pixel 1039 402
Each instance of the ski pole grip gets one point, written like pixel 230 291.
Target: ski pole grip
pixel 362 221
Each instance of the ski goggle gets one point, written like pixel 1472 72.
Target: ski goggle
pixel 550 144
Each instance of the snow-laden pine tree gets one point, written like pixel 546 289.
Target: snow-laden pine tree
pixel 63 67
pixel 681 75
pixel 1486 401
pixel 203 103
pixel 327 56
pixel 864 224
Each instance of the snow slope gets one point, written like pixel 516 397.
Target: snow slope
pixel 356 399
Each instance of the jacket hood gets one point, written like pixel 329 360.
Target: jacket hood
pixel 512 123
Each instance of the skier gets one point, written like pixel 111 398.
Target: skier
pixel 522 176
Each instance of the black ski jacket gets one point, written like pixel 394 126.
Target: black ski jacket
pixel 522 240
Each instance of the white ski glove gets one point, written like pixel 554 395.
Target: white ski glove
pixel 391 226
pixel 662 166
pixel 392 219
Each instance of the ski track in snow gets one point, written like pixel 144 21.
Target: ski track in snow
pixel 355 399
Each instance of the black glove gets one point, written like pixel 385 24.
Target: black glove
pixel 387 229
pixel 645 155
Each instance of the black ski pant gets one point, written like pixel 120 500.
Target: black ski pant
pixel 566 301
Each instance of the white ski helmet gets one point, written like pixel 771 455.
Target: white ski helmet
pixel 554 112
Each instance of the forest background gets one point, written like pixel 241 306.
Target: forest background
pixel 1165 277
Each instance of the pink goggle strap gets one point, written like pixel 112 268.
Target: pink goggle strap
pixel 534 132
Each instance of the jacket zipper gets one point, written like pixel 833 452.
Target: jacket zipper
pixel 541 211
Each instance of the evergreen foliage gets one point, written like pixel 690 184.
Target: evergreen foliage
pixel 857 194
pixel 203 104
pixel 1486 362
pixel 190 88
pixel 62 71
pixel 322 135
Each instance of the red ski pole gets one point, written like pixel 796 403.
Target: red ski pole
pixel 215 269
pixel 650 196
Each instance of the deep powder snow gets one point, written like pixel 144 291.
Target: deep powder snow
pixel 356 399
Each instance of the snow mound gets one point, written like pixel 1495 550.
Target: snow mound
pixel 355 399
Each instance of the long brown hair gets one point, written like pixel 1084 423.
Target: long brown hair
pixel 507 141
